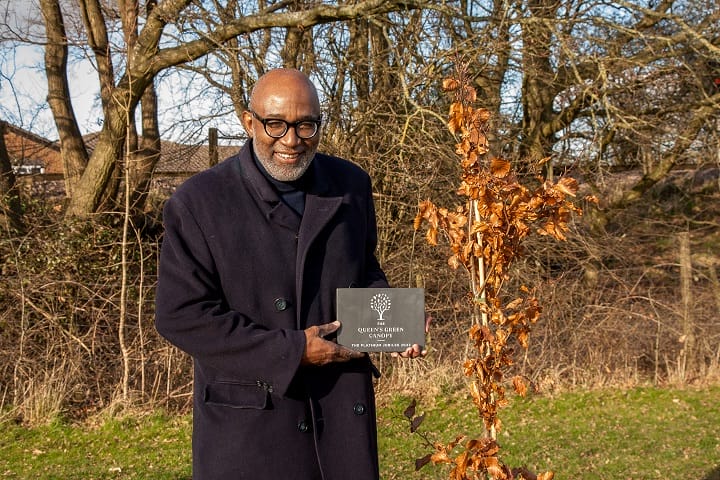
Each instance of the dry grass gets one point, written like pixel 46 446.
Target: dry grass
pixel 611 315
pixel 41 396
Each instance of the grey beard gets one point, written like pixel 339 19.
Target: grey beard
pixel 285 173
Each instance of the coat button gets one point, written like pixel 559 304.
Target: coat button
pixel 303 426
pixel 359 409
pixel 281 304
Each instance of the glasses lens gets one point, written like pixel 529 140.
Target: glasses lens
pixel 306 129
pixel 275 128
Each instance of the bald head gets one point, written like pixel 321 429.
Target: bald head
pixel 284 81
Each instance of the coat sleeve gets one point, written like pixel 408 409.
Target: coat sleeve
pixel 192 313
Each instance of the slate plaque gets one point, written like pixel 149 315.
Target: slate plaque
pixel 381 319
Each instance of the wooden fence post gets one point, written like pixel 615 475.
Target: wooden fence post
pixel 687 353
pixel 213 146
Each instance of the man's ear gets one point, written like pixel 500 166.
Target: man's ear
pixel 247 123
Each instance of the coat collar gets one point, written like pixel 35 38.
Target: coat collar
pixel 321 203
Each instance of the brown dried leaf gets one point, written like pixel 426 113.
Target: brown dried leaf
pixel 440 457
pixel 481 116
pixel 416 422
pixel 450 84
pixel 421 462
pixel 522 338
pixel 454 262
pixel 567 185
pixel 410 410
pixel 455 121
pixel 461 465
pixel 469 94
pixel 499 167
pixel 495 469
pixel 519 385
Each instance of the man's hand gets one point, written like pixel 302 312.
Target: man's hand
pixel 319 351
pixel 415 351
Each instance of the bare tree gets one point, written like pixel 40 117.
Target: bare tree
pixel 583 85
pixel 148 52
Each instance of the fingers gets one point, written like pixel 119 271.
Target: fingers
pixel 411 352
pixel 319 351
pixel 415 351
pixel 326 329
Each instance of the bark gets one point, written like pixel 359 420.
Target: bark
pixel 97 38
pixel 538 89
pixel 72 148
pixel 359 56
pixel 699 119
pixel 10 205
pixel 298 50
pixel 490 79
pixel 142 163
pixel 142 154
pixel 385 81
pixel 688 357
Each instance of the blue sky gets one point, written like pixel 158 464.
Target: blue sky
pixel 23 93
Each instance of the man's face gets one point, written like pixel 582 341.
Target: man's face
pixel 291 100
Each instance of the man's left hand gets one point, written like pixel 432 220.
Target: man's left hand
pixel 415 351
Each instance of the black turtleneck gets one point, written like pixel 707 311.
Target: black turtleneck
pixel 293 192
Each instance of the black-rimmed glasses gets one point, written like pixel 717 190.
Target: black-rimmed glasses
pixel 277 128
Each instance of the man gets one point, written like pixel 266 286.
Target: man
pixel 253 252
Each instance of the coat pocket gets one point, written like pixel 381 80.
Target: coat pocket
pixel 237 395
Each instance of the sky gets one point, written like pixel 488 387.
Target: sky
pixel 23 87
pixel 24 95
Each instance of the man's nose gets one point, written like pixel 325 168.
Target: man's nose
pixel 291 136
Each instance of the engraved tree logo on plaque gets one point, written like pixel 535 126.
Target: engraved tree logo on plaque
pixel 381 304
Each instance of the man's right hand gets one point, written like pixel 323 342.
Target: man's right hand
pixel 319 351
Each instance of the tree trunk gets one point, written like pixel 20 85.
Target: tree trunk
pixel 298 51
pixel 359 55
pixel 683 141
pixel 72 148
pixel 142 163
pixel 97 38
pixel 10 206
pixel 93 184
pixel 538 89
pixel 142 154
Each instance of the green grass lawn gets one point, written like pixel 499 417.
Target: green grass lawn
pixel 637 434
pixel 643 433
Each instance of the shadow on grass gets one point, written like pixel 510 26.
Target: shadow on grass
pixel 713 474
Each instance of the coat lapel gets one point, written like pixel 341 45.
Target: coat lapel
pixel 272 207
pixel 321 205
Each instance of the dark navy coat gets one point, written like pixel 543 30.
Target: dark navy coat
pixel 240 276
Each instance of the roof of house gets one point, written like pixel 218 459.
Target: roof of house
pixel 28 149
pixel 175 158
pixel 179 158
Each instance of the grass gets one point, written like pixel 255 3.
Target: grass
pixel 143 447
pixel 636 434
